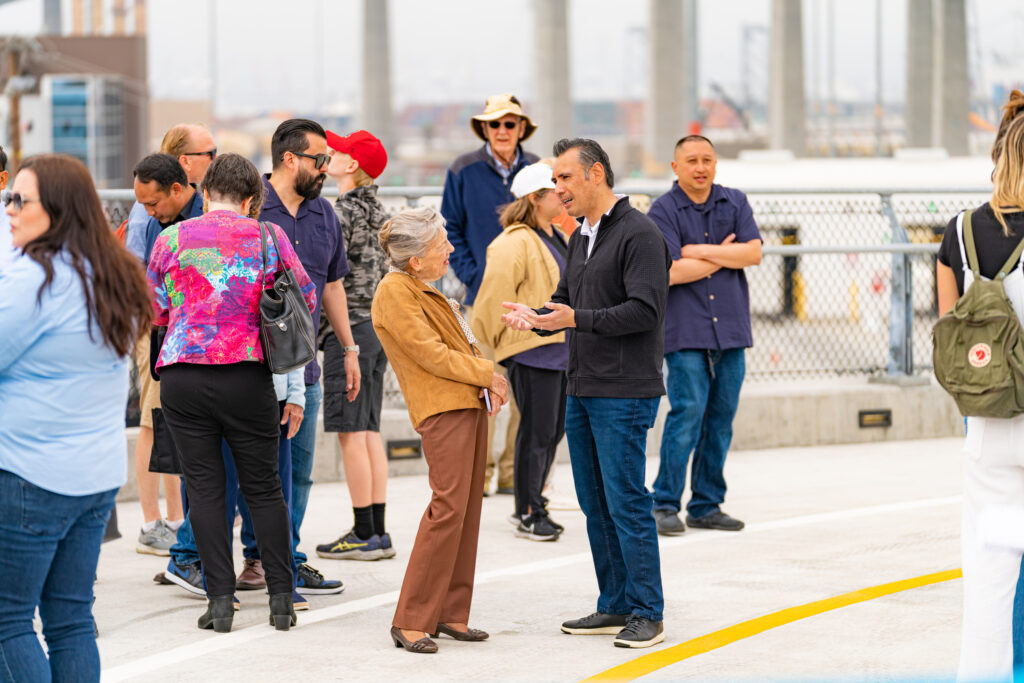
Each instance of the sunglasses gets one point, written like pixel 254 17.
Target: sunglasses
pixel 508 124
pixel 319 160
pixel 15 198
pixel 209 153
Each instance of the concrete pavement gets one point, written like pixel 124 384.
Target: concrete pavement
pixel 822 521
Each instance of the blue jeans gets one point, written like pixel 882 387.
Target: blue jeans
pixel 607 445
pixel 49 548
pixel 703 392
pixel 303 447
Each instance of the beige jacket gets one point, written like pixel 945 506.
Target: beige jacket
pixel 520 268
pixel 436 367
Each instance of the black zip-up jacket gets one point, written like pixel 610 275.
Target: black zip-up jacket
pixel 618 295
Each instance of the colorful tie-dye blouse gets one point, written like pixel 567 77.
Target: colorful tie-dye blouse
pixel 205 277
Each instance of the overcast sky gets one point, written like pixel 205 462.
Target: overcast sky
pixel 302 54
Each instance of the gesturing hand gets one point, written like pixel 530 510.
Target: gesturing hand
pixel 521 317
pixel 560 317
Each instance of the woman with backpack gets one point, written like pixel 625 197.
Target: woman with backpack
pixel 994 466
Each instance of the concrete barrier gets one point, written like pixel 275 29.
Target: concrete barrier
pixel 770 415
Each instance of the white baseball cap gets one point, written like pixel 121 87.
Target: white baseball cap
pixel 532 178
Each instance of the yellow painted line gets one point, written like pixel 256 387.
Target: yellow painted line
pixel 641 666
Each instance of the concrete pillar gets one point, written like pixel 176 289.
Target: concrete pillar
pixel 672 79
pixel 551 107
pixel 917 111
pixel 787 115
pixel 950 105
pixel 376 115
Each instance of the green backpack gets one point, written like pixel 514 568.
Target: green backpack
pixel 978 346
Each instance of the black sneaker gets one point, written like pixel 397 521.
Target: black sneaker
pixel 537 528
pixel 669 523
pixel 311 582
pixel 351 547
pixel 187 576
pixel 716 520
pixel 640 632
pixel 596 624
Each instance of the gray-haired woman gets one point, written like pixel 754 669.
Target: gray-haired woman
pixel 450 390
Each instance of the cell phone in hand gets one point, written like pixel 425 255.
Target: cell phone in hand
pixel 487 400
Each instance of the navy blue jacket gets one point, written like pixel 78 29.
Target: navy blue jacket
pixel 474 190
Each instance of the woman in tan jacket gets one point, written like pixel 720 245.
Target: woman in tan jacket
pixel 524 263
pixel 450 390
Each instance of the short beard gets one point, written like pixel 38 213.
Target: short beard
pixel 308 185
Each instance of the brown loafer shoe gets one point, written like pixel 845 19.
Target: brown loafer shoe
pixel 472 635
pixel 422 646
pixel 252 576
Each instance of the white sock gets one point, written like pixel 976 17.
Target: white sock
pixel 174 525
pixel 149 526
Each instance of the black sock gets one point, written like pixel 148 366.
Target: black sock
pixel 364 522
pixel 378 518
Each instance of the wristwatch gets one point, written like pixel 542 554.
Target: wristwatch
pixel 351 349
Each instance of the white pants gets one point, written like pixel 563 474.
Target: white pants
pixel 992 541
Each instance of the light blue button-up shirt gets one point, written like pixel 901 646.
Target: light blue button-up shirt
pixel 6 246
pixel 62 393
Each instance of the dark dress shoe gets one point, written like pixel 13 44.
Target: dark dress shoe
pixel 472 635
pixel 220 611
pixel 282 611
pixel 422 646
pixel 716 520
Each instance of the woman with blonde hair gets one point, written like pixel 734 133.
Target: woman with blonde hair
pixel 524 263
pixel 994 464
pixel 450 390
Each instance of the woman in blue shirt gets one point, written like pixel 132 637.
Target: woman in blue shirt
pixel 72 307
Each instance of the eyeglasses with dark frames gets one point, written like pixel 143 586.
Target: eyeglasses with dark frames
pixel 212 153
pixel 319 160
pixel 508 124
pixel 19 200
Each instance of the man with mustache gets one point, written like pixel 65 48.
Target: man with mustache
pixel 293 202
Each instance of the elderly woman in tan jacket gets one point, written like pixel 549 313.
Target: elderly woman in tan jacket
pixel 524 263
pixel 450 391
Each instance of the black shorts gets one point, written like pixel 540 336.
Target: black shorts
pixel 363 414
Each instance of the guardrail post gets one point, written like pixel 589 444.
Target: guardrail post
pixel 901 311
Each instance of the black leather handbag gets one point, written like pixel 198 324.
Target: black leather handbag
pixel 287 334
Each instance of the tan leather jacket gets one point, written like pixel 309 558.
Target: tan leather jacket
pixel 520 268
pixel 436 367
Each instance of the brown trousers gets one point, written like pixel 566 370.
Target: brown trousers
pixel 438 585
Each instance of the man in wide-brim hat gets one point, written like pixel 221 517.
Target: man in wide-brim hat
pixel 477 184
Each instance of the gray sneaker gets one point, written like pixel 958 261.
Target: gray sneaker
pixel 157 541
pixel 669 523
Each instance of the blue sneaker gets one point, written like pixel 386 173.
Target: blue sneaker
pixel 299 603
pixel 351 547
pixel 387 551
pixel 309 581
pixel 187 576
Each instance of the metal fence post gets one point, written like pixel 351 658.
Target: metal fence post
pixel 901 311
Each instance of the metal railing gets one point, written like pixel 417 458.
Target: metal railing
pixel 846 286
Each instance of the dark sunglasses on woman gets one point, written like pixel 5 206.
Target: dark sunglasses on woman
pixel 15 198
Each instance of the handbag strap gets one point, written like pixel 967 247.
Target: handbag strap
pixel 266 227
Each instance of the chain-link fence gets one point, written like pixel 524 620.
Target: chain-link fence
pixel 846 286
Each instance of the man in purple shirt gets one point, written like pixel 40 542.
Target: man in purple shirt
pixel 293 202
pixel 712 236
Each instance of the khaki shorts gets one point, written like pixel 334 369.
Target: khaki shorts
pixel 149 389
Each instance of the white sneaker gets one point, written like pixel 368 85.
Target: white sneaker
pixel 156 541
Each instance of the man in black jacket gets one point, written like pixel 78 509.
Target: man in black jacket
pixel 612 294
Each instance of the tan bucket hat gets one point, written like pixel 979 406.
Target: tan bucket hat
pixel 496 107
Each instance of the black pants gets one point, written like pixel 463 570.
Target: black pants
pixel 540 395
pixel 202 405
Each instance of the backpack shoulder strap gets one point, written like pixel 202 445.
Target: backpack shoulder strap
pixel 1017 255
pixel 964 223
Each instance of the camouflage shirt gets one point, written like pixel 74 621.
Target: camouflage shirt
pixel 362 216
